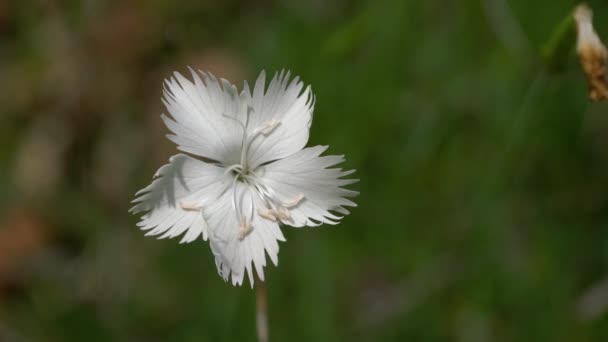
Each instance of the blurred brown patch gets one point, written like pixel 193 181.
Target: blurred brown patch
pixel 5 13
pixel 39 161
pixel 115 135
pixel 220 62
pixel 123 34
pixel 23 233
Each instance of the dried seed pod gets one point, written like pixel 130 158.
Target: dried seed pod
pixel 592 53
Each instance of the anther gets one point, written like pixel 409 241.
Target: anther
pixel 269 127
pixel 294 201
pixel 244 228
pixel 267 214
pixel 282 213
pixel 190 206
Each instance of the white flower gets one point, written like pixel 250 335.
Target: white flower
pixel 252 173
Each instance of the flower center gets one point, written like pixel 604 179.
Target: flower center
pixel 243 171
pixel 273 208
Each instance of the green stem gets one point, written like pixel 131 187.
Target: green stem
pixel 261 311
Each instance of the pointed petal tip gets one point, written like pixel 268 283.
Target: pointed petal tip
pixel 246 90
pixel 180 78
pixel 202 73
pixel 261 78
pixel 227 85
pixel 260 272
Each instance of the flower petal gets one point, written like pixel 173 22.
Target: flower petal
pixel 285 104
pixel 174 201
pixel 306 180
pixel 233 255
pixel 206 116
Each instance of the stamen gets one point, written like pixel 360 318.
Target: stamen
pixel 282 213
pixel 244 228
pixel 267 214
pixel 250 110
pixel 269 127
pixel 295 201
pixel 190 206
pixel 244 137
pixel 243 126
pixel 236 167
pixel 234 200
pixel 249 140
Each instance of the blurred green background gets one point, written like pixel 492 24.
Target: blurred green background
pixel 484 174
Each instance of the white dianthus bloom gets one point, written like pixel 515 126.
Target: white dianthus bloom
pixel 253 172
